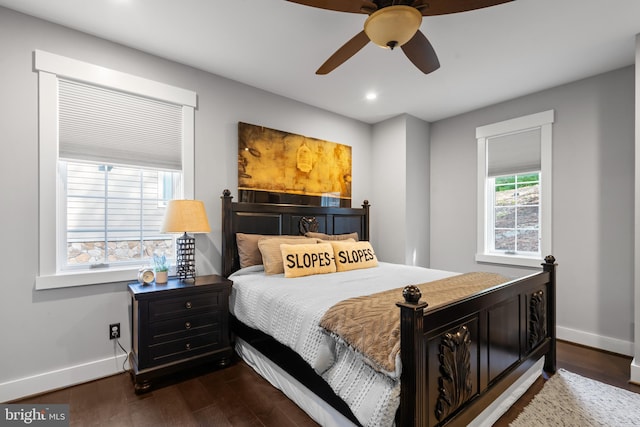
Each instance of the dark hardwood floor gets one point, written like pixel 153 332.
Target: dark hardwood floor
pixel 237 396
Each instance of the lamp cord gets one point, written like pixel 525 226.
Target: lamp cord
pixel 124 351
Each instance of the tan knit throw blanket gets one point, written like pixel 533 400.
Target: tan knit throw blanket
pixel 371 323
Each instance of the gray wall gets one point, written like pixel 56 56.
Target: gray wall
pixel 417 193
pixel 400 178
pixel 60 336
pixel 593 175
pixel 389 180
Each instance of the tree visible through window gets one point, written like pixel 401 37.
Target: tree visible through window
pixel 516 213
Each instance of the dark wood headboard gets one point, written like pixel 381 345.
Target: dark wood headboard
pixel 279 219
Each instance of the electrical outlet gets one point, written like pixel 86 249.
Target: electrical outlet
pixel 114 331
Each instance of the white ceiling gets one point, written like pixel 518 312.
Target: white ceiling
pixel 486 56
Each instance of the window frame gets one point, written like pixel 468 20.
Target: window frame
pixel 50 67
pixel 543 121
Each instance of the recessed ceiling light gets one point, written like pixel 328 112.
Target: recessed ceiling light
pixel 371 96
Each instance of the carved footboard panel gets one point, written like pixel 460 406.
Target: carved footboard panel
pixel 458 358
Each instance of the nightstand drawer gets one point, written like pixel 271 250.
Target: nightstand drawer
pixel 183 348
pixel 184 306
pixel 169 330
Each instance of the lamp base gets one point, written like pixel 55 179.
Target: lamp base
pixel 186 257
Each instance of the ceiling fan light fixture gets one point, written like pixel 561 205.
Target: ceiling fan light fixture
pixel 393 26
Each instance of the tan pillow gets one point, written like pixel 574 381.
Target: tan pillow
pixel 329 241
pixel 352 256
pixel 305 260
pixel 248 251
pixel 323 236
pixel 270 249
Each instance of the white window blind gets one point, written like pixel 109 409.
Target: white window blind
pixel 114 127
pixel 514 153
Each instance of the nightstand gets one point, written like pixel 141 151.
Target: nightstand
pixel 178 325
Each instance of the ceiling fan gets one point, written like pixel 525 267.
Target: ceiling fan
pixel 393 23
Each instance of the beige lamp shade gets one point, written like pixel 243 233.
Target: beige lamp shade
pixel 393 26
pixel 185 216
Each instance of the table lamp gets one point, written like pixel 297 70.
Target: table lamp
pixel 185 216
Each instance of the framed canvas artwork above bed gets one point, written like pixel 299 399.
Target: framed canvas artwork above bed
pixel 281 167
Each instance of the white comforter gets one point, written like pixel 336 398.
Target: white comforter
pixel 290 311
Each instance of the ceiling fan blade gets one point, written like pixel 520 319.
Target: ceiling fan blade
pixel 353 6
pixel 347 50
pixel 444 7
pixel 421 53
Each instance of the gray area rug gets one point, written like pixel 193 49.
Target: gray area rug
pixel 568 399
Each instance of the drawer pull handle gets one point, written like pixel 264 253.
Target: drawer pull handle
pixel 188 304
pixel 187 325
pixel 188 346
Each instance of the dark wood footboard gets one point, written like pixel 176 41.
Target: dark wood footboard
pixel 458 358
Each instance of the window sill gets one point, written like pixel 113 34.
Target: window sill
pixel 83 278
pixel 515 260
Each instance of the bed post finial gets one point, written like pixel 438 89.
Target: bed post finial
pixel 411 294
pixel 226 193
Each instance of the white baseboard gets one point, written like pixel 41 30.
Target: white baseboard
pixel 613 345
pixel 65 377
pixel 635 371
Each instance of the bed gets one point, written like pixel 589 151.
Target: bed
pixel 455 359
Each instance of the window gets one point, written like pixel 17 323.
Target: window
pixel 113 149
pixel 113 214
pixel 514 227
pixel 514 190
